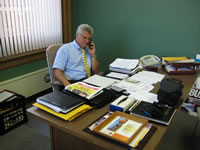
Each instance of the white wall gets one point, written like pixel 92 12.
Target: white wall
pixel 28 84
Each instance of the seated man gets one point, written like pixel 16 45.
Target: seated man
pixel 70 64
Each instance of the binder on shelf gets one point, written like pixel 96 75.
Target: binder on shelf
pixel 181 68
pixel 145 110
pixel 180 65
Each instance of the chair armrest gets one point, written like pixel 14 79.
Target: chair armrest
pixel 57 83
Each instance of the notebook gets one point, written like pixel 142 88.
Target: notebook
pixel 60 102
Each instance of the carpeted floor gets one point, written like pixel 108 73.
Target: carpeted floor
pixel 179 134
pixel 24 138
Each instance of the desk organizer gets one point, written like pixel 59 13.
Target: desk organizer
pixel 14 116
pixel 192 66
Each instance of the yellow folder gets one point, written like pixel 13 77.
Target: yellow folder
pixel 68 116
pixel 174 58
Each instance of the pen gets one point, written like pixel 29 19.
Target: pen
pixel 146 113
pixel 122 100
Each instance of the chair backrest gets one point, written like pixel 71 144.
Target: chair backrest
pixel 50 55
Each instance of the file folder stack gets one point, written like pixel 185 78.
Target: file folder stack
pixel 60 102
pixel 180 65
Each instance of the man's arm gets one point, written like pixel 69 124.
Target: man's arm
pixel 60 76
pixel 95 64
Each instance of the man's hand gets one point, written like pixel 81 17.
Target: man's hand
pixel 92 49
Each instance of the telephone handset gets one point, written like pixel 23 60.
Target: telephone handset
pixel 150 60
pixel 90 44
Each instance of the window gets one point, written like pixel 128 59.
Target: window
pixel 28 27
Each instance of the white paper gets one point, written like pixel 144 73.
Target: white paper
pixel 117 75
pixel 148 77
pixel 128 64
pixel 100 81
pixel 134 86
pixel 5 95
pixel 145 96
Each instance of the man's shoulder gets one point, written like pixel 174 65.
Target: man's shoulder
pixel 68 46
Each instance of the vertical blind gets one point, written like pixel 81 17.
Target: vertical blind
pixel 28 25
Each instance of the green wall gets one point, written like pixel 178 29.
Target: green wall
pixel 22 69
pixel 133 28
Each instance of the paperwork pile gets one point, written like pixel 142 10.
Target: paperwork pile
pixel 142 81
pixel 123 65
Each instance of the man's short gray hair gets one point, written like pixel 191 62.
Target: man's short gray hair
pixel 84 27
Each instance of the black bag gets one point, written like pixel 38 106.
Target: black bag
pixel 170 92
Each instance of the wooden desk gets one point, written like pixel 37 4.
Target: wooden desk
pixel 70 135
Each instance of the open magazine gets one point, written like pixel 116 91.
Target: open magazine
pixel 84 90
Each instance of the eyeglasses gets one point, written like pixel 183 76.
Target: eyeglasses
pixel 86 38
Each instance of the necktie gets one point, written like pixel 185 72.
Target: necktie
pixel 87 69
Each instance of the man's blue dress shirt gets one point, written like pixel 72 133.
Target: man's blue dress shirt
pixel 69 60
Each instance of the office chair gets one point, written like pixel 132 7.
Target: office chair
pixel 50 54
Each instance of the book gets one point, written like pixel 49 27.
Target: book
pixel 121 127
pixel 145 110
pixel 60 102
pixel 84 90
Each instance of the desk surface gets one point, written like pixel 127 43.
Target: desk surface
pixel 76 127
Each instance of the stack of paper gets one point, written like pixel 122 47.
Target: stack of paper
pixel 100 81
pixel 123 65
pixel 117 75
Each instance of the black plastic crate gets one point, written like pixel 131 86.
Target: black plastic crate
pixel 13 116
